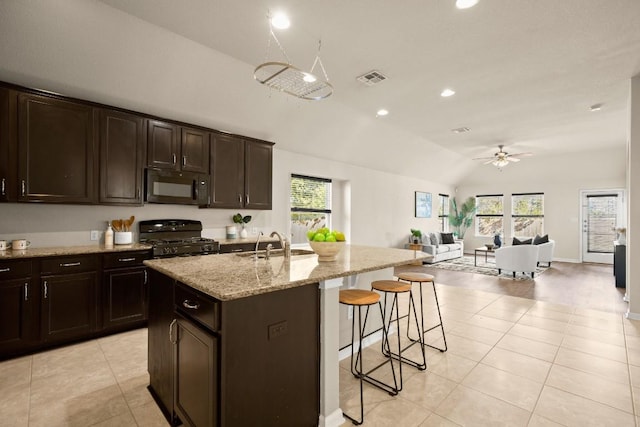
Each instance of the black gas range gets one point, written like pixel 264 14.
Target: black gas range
pixel 176 237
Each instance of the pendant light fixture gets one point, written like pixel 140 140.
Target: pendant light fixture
pixel 285 77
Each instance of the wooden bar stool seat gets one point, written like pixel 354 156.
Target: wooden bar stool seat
pixel 360 298
pixel 421 278
pixel 395 288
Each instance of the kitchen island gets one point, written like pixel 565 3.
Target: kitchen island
pixel 301 292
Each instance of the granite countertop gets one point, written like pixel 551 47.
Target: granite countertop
pixel 69 250
pixel 230 276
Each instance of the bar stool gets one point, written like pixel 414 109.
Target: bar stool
pixel 421 278
pixel 395 288
pixel 361 298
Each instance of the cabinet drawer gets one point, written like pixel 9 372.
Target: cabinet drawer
pixel 124 259
pixel 197 306
pixel 14 269
pixel 69 264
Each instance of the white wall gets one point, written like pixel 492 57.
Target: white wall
pixel 560 179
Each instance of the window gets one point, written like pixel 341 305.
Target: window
pixel 489 215
pixel 443 212
pixel 310 205
pixel 527 214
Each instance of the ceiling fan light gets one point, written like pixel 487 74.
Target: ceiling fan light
pixel 500 163
pixel 382 112
pixel 309 78
pixel 447 93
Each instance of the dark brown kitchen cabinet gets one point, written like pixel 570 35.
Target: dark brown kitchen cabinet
pixel 124 289
pixel 68 297
pixel 241 172
pixel 122 154
pixel 195 374
pixel 178 148
pixel 56 150
pixel 249 361
pixel 16 305
pixel 8 145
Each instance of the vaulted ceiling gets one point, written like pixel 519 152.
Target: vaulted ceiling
pixel 525 72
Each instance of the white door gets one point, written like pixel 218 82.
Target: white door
pixel 602 212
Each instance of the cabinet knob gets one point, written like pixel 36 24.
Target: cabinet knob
pixel 3 187
pixel 173 158
pixel 247 198
pixel 173 323
pixel 70 264
pixel 46 290
pixel 24 188
pixel 184 160
pixel 26 292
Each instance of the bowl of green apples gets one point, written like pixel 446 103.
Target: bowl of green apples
pixel 326 243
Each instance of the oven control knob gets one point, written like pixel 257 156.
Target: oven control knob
pixel 166 250
pixel 207 248
pixel 174 250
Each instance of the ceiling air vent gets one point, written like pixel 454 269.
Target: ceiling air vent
pixel 371 78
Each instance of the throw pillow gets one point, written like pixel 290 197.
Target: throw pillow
pixel 517 242
pixel 447 238
pixel 540 240
pixel 434 239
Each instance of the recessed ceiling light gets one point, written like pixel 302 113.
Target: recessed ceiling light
pixel 465 4
pixel 595 107
pixel 280 21
pixel 382 112
pixel 447 92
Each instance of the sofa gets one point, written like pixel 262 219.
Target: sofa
pixel 432 244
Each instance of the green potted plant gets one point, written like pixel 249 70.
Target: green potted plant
pixel 416 235
pixel 462 218
pixel 239 219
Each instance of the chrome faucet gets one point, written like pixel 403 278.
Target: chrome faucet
pixel 275 233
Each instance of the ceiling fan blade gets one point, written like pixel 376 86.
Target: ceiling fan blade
pixel 512 159
pixel 521 155
pixel 484 158
pixel 488 162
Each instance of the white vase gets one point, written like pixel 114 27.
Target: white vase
pixel 243 233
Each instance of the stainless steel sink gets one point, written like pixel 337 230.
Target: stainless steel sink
pixel 274 253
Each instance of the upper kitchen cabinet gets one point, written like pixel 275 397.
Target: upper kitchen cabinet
pixel 178 148
pixel 241 172
pixel 122 153
pixel 56 150
pixel 8 146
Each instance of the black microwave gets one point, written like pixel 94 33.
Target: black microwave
pixel 181 188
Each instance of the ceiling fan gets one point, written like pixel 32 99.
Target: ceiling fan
pixel 502 158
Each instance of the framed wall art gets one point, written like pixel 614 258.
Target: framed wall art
pixel 423 204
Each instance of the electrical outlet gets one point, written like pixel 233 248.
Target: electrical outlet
pixel 277 329
pixel 95 235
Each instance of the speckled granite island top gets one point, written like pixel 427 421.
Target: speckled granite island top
pixel 230 276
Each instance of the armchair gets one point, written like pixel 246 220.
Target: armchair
pixel 545 253
pixel 517 258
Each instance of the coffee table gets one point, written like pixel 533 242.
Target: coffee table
pixel 481 250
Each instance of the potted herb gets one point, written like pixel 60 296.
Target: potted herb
pixel 416 235
pixel 239 219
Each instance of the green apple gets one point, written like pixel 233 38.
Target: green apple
pixel 330 238
pixel 310 234
pixel 319 237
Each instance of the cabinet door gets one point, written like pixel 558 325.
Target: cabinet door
pixel 162 145
pixel 258 175
pixel 56 150
pixel 124 296
pixel 227 171
pixel 122 148
pixel 196 375
pixel 8 146
pixel 160 361
pixel 68 306
pixel 195 150
pixel 15 314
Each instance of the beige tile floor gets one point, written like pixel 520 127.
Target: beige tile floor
pixel 511 362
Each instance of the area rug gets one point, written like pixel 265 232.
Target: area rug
pixel 488 268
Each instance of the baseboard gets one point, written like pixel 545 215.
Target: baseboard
pixel 632 316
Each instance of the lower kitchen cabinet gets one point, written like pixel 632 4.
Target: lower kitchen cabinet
pixel 16 301
pixel 250 361
pixel 195 374
pixel 68 306
pixel 124 289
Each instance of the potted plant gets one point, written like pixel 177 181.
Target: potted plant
pixel 239 219
pixel 416 235
pixel 461 219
